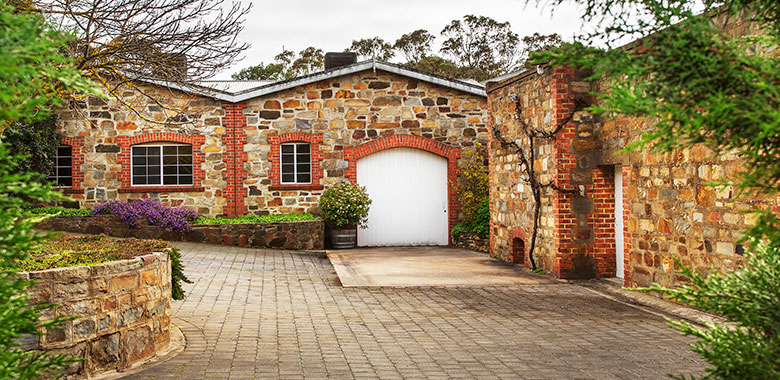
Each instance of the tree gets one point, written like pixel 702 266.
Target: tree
pixel 538 43
pixel 368 48
pixel 437 65
pixel 37 141
pixel 272 71
pixel 701 85
pixel 415 45
pixel 119 42
pixel 482 43
pixel 30 68
pixel 309 60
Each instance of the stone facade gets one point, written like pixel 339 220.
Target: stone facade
pixel 123 310
pixel 472 241
pixel 304 235
pixel 236 145
pixel 669 210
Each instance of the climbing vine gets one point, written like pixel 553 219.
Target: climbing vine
pixel 527 156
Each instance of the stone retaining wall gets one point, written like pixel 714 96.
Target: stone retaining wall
pixel 283 235
pixel 472 241
pixel 123 310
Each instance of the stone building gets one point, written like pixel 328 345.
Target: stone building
pixel 619 215
pixel 257 147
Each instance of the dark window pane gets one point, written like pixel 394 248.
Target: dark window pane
pixel 304 167
pixel 169 180
pixel 63 161
pixel 169 169
pixel 153 160
pixel 65 182
pixel 303 157
pixel 153 151
pixel 64 151
pixel 185 150
pixel 303 148
pixel 139 180
pixel 139 160
pixel 63 172
pixel 287 158
pixel 169 160
pixel 185 169
pixel 185 160
pixel 185 180
pixel 304 178
pixel 286 178
pixel 153 170
pixel 169 150
pixel 288 168
pixel 153 180
pixel 140 170
pixel 287 148
pixel 139 151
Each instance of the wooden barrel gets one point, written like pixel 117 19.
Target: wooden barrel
pixel 343 239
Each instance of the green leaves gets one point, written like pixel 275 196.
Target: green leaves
pixel 345 204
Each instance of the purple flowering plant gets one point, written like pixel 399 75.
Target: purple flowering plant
pixel 152 212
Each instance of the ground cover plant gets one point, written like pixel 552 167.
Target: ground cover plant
pixel 78 250
pixel 255 219
pixel 60 211
pixel 701 85
pixel 479 223
pixel 150 211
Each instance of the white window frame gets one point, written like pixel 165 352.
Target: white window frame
pixel 161 145
pixel 55 178
pixel 295 173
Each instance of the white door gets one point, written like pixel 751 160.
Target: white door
pixel 408 188
pixel 619 249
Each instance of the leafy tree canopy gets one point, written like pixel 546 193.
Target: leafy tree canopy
pixel 415 46
pixel 368 48
pixel 480 42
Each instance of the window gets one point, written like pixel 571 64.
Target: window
pixel 62 173
pixel 296 163
pixel 161 165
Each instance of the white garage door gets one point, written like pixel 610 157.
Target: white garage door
pixel 408 188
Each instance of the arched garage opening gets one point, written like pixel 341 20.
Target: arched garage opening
pixel 408 178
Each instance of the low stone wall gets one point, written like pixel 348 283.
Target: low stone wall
pixel 472 241
pixel 123 310
pixel 283 235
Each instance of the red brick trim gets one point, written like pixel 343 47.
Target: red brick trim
pixel 125 142
pixel 626 230
pixel 162 189
pixel 519 232
pixel 77 158
pixel 234 157
pixel 314 139
pixel 451 153
pixel 603 221
pixel 565 221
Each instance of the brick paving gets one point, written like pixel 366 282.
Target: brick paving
pixel 261 314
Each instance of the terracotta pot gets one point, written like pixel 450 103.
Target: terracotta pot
pixel 343 238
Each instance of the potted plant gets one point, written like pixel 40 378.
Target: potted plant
pixel 344 207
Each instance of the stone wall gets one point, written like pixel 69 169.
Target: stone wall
pixel 123 310
pixel 472 241
pixel 236 145
pixel 284 235
pixel 670 211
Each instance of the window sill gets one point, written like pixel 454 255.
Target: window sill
pixel 161 189
pixel 69 190
pixel 295 186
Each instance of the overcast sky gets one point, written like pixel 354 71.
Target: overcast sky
pixel 331 25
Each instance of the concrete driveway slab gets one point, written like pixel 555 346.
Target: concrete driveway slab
pixel 425 266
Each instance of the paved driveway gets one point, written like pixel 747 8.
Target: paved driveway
pixel 259 314
pixel 425 266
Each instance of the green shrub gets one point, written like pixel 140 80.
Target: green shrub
pixel 256 219
pixel 479 224
pixel 61 211
pixel 345 205
pixel 177 274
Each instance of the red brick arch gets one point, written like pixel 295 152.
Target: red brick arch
pixel 451 153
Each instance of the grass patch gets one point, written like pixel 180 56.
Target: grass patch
pixel 59 211
pixel 256 219
pixel 72 250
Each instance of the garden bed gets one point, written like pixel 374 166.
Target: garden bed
pixel 119 292
pixel 245 231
